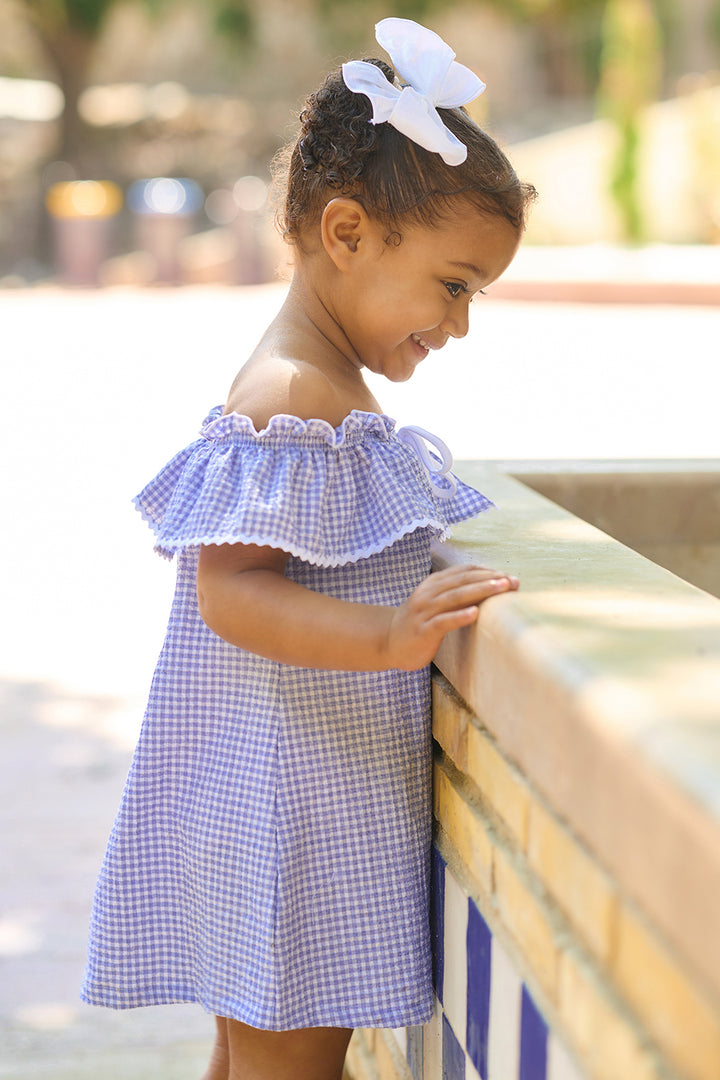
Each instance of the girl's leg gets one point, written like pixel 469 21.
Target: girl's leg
pixel 219 1067
pixel 305 1054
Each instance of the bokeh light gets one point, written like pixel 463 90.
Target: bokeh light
pixel 250 193
pixel 165 195
pixel 83 198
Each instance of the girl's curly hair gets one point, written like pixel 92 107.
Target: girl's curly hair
pixel 339 152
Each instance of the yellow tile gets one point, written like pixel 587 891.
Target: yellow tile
pixel 503 789
pixel 464 828
pixel 450 724
pixel 577 883
pixel 604 1039
pixel 677 1013
pixel 527 922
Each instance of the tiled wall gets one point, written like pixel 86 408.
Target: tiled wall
pixel 486 1024
pixel 544 970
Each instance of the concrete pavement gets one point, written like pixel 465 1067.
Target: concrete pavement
pixel 100 388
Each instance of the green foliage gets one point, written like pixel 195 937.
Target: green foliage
pixel 623 181
pixel 87 15
pixel 630 80
pixel 524 10
pixel 81 16
pixel 413 9
pixel 235 21
pixel 404 9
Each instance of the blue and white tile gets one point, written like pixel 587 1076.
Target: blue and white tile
pixel 455 974
pixel 453 1054
pixel 560 1066
pixel 432 1045
pixel 471 1072
pixel 485 1024
pixel 437 919
pixel 533 1040
pixel 479 982
pixel 505 1001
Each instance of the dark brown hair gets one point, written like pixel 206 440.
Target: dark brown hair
pixel 339 152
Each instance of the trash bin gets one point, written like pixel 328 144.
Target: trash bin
pixel 83 214
pixel 163 209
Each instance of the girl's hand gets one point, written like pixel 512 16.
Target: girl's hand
pixel 442 602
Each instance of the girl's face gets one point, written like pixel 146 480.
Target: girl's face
pixel 411 298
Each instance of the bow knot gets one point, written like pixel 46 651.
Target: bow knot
pixel 435 468
pixel 435 80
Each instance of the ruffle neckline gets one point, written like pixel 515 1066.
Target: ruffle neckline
pixel 218 425
pixel 326 495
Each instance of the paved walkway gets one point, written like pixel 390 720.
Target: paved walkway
pixel 99 389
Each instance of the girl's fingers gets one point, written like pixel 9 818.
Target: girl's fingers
pixel 466 593
pixel 454 620
pixel 461 575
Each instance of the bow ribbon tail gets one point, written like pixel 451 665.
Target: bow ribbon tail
pixel 415 117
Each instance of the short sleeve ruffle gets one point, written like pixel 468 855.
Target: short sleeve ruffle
pixel 326 495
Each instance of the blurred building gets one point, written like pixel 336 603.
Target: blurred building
pixel 169 96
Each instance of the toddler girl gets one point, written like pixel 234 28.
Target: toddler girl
pixel 270 857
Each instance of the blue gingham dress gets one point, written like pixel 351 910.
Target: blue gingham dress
pixel 270 855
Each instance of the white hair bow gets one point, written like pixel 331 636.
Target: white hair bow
pixel 435 81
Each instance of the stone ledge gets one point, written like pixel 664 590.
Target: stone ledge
pixel 600 680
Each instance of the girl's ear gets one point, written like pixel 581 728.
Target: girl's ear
pixel 345 227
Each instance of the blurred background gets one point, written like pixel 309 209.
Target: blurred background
pixel 135 135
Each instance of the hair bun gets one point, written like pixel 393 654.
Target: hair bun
pixel 336 134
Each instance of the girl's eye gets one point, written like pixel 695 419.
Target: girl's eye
pixel 454 288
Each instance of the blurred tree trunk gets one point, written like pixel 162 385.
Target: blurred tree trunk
pixel 68 31
pixel 70 51
pixel 562 53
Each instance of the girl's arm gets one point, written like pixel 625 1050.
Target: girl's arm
pixel 244 598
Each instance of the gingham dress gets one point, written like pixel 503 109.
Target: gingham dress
pixel 270 856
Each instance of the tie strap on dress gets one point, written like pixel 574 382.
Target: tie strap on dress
pixel 417 437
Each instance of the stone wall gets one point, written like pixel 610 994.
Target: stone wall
pixel 576 861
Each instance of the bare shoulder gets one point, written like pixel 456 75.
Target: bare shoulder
pixel 272 386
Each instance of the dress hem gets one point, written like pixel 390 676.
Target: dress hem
pixel 396 1020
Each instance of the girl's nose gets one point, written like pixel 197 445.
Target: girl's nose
pixel 456 321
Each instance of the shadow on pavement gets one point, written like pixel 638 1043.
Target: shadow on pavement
pixel 63 763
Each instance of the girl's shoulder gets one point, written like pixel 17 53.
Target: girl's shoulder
pixel 292 387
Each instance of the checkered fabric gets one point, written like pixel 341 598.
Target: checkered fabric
pixel 327 495
pixel 270 856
